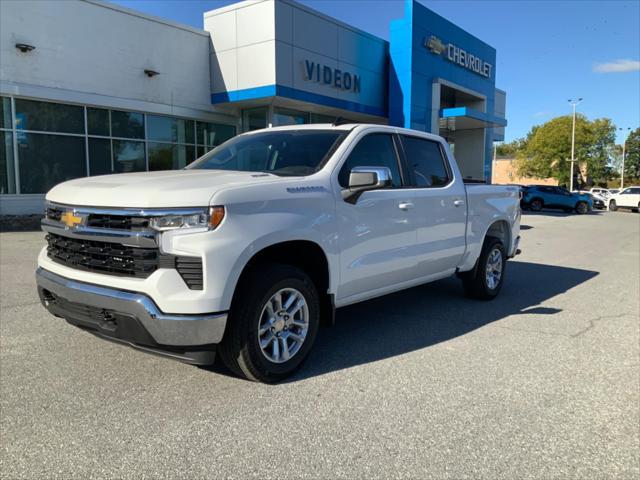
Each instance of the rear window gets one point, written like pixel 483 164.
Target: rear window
pixel 425 162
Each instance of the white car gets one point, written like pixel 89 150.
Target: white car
pixel 602 192
pixel 627 198
pixel 245 251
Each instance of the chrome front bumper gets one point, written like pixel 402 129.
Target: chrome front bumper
pixel 164 329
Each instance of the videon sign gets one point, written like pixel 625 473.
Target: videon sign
pixel 332 76
pixel 459 56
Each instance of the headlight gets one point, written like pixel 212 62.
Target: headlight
pixel 205 218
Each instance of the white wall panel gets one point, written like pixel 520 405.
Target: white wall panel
pixel 257 65
pixel 256 23
pixel 222 29
pixel 284 22
pixel 315 33
pixel 93 48
pixel 224 71
pixel 284 64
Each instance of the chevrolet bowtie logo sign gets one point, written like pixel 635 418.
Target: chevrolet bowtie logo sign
pixel 70 219
pixel 459 56
pixel 435 45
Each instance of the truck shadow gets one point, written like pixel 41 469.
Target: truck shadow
pixel 426 315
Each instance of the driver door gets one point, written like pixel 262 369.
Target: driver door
pixel 377 233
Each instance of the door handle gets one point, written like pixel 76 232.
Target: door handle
pixel 458 203
pixel 405 205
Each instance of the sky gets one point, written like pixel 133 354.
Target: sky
pixel 548 51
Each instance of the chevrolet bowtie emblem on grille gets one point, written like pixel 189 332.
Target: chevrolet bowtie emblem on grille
pixel 70 220
pixel 435 45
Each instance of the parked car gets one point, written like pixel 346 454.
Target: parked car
pixel 599 200
pixel 245 251
pixel 537 197
pixel 627 198
pixel 603 192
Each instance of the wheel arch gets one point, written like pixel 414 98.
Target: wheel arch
pixel 501 230
pixel 307 255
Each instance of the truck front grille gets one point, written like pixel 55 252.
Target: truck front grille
pixel 122 260
pixel 103 257
pixel 118 222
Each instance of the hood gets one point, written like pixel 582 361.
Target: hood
pixel 171 188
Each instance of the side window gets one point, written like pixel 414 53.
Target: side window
pixel 635 191
pixel 374 150
pixel 626 191
pixel 424 159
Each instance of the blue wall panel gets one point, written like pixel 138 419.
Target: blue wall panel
pixel 414 68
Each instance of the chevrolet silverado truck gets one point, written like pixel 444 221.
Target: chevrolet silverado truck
pixel 245 252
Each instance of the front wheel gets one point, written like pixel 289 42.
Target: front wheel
pixel 485 281
pixel 582 208
pixel 613 206
pixel 273 324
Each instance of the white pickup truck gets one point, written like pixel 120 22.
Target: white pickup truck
pixel 246 251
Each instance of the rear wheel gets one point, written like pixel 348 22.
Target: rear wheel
pixel 272 325
pixel 536 205
pixel 613 206
pixel 485 281
pixel 582 208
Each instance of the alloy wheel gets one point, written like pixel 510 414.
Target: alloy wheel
pixel 283 325
pixel 493 270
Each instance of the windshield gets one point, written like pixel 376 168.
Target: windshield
pixel 285 153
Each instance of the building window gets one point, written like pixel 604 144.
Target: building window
pixel 49 117
pixel 284 116
pixel 254 119
pixel 7 174
pixel 53 141
pixel 100 156
pixel 98 122
pixel 169 129
pixel 46 160
pixel 5 113
pixel 128 156
pixel 127 124
pixel 167 156
pixel 318 118
pixel 210 135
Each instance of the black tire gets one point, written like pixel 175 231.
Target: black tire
pixel 536 205
pixel 582 208
pixel 239 349
pixel 613 206
pixel 475 281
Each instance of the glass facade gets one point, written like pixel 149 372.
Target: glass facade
pixel 45 143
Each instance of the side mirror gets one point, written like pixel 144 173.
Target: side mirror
pixel 363 179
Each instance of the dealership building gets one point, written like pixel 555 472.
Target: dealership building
pixel 90 88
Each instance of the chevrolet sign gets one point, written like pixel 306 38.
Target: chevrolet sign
pixel 458 56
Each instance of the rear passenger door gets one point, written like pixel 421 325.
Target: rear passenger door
pixel 440 211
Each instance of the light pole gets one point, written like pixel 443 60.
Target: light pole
pixel 624 145
pixel 574 104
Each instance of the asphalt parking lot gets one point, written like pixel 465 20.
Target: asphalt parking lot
pixel 543 382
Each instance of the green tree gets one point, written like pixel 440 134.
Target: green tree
pixel 509 150
pixel 632 156
pixel 547 148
